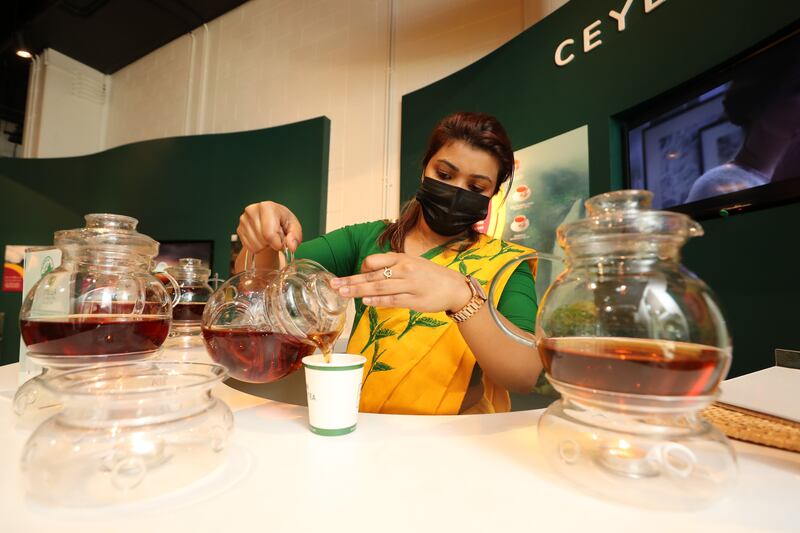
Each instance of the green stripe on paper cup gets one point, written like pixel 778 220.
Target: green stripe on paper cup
pixel 333 368
pixel 339 362
pixel 333 432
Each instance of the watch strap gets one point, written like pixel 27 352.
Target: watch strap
pixel 472 306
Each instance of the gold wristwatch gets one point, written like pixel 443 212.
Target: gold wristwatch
pixel 474 303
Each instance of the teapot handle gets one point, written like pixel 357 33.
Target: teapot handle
pixel 176 297
pixel 247 257
pixel 287 253
pixel 493 310
pixel 236 305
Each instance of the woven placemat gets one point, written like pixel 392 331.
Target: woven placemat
pixel 750 426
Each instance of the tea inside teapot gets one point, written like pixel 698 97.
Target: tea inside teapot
pixel 261 323
pixel 634 366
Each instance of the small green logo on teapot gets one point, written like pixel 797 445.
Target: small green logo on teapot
pixel 47 265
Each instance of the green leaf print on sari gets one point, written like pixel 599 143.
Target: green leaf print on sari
pixel 505 248
pixel 376 329
pixel 415 319
pixel 376 365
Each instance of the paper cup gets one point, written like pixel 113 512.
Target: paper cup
pixel 333 391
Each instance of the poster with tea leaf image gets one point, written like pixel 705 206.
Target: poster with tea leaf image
pixel 551 182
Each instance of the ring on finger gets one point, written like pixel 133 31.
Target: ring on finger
pixel 387 272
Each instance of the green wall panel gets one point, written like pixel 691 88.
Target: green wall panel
pixel 179 188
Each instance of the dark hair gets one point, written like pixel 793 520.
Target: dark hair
pixel 478 130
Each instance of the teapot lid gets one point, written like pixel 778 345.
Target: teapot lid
pixel 108 232
pixel 189 268
pixel 626 214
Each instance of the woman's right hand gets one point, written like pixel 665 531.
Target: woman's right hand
pixel 269 225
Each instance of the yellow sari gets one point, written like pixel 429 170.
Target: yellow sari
pixel 418 363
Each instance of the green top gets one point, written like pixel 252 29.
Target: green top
pixel 342 251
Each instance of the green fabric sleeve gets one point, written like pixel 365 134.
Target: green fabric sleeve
pixel 341 251
pixel 518 301
pixel 335 251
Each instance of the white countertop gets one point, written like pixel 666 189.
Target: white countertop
pixel 395 473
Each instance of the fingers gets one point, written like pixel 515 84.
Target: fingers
pixel 267 224
pixel 380 261
pixel 248 231
pixel 360 279
pixel 374 269
pixel 249 239
pixel 393 300
pixel 270 225
pixel 383 287
pixel 292 229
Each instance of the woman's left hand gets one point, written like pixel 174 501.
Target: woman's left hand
pixel 401 280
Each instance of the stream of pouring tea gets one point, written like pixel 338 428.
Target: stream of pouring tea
pixel 324 342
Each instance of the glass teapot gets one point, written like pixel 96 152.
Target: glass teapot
pixel 102 304
pixel 261 323
pixel 192 277
pixel 636 345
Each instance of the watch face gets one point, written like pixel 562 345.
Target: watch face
pixel 478 288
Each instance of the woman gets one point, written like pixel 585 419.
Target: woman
pixel 431 344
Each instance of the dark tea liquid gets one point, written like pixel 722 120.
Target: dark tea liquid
pixel 256 356
pixel 325 343
pixel 94 334
pixel 188 311
pixel 636 366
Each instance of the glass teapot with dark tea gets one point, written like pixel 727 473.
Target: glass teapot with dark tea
pixel 637 346
pixel 261 323
pixel 192 277
pixel 101 305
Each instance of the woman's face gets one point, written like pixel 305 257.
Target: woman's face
pixel 459 164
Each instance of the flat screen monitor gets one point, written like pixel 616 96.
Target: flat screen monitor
pixel 171 251
pixel 726 142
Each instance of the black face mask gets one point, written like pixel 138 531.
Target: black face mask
pixel 450 210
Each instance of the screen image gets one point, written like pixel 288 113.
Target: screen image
pixel 732 138
pixel 169 252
